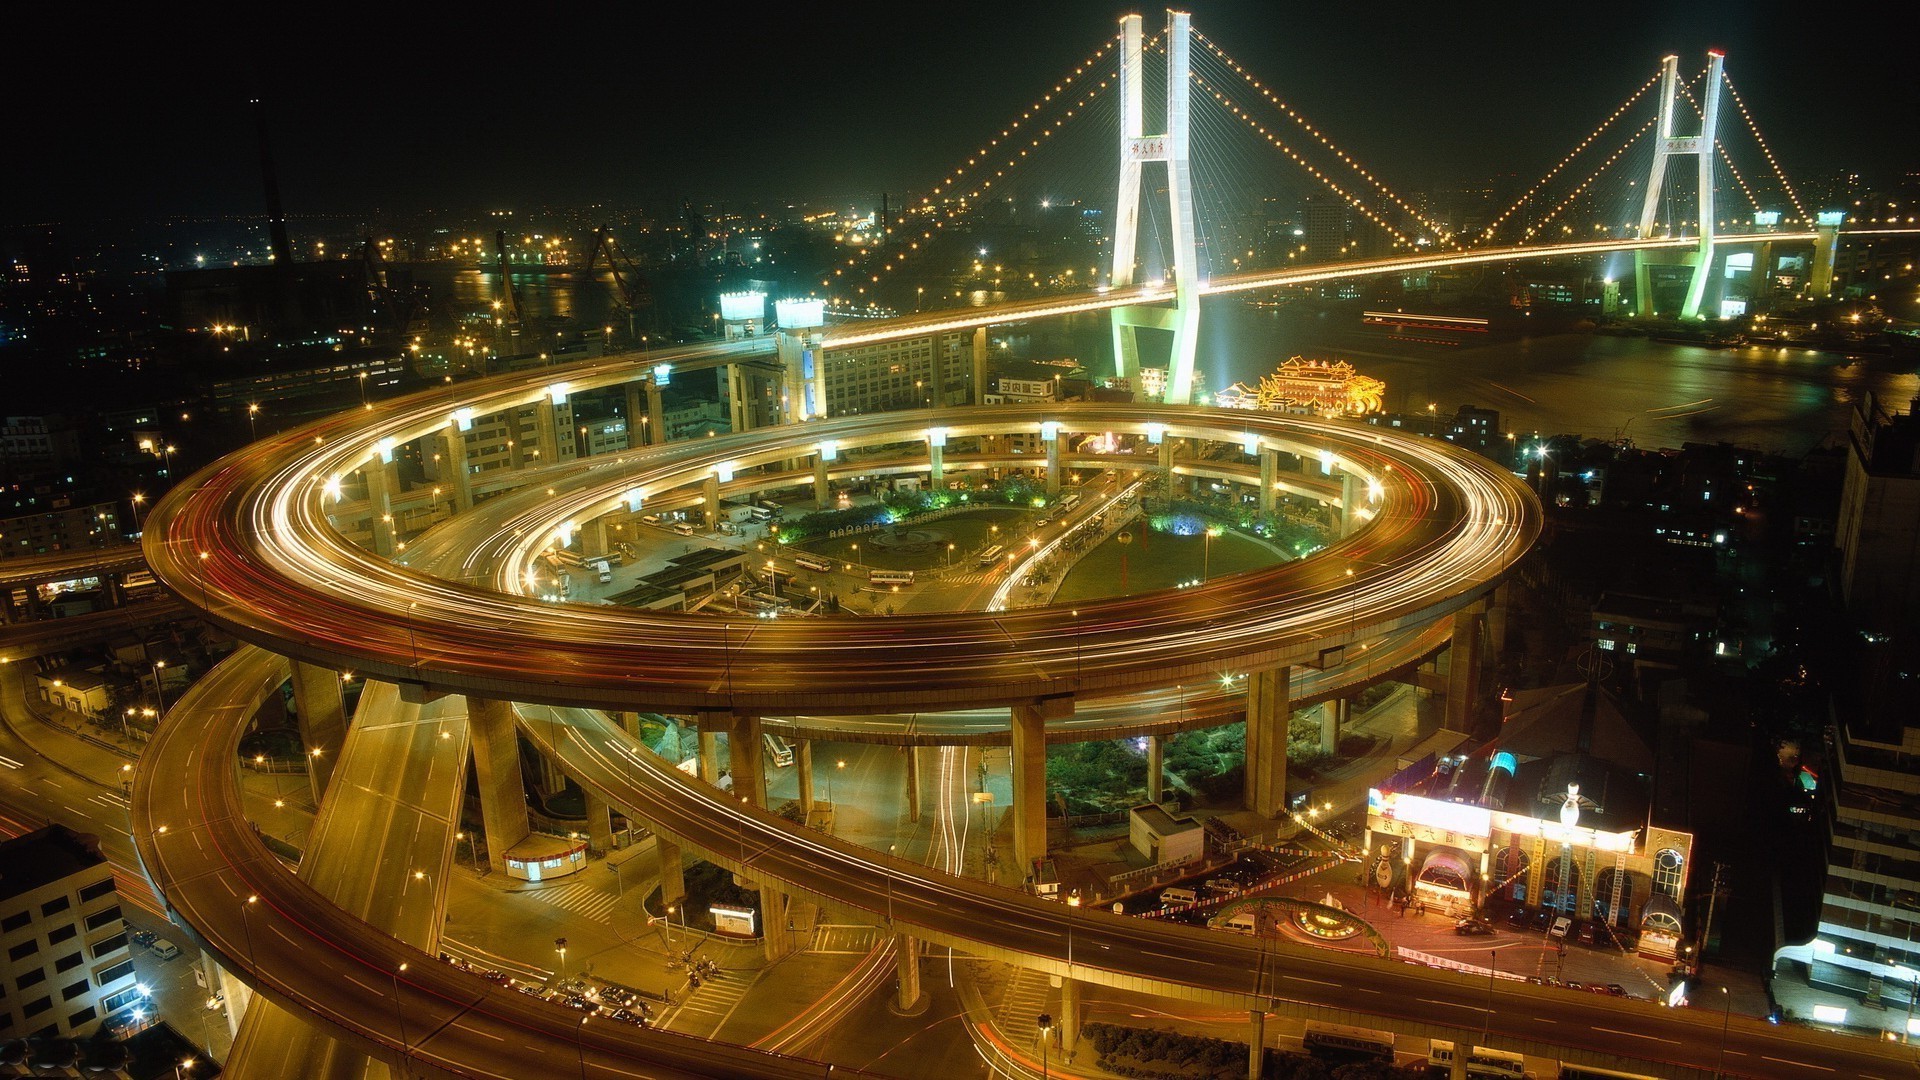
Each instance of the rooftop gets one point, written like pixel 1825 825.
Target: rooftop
pixel 43 857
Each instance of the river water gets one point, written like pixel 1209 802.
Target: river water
pixel 1781 400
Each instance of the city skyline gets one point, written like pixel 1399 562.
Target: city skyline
pixel 793 106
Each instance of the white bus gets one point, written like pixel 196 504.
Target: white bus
pixel 992 555
pixel 1481 1062
pixel 889 577
pixel 1070 502
pixel 809 561
pixel 779 749
pixel 1349 1041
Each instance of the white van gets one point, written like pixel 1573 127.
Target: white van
pixel 683 528
pixel 164 949
pixel 1246 922
pixel 1170 897
pixel 601 568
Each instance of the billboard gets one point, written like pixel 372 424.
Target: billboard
pixel 741 306
pixel 800 314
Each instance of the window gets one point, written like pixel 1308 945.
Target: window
pixel 14 922
pixel 37 975
pixel 96 890
pixel 120 1000
pixel 25 948
pixel 67 962
pixel 80 1016
pixel 1666 872
pixel 60 933
pixel 68 993
pixel 55 906
pixel 102 917
pixel 116 972
pixel 112 944
pixel 35 1008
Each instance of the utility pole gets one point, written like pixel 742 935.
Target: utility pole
pixel 1706 932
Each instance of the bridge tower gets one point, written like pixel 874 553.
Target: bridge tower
pixel 1136 149
pixel 1667 145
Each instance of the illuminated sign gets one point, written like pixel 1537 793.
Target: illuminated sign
pixel 1050 430
pixel 662 374
pixel 1766 217
pixel 728 919
pixel 1151 148
pixel 1553 832
pixel 634 498
pixel 741 306
pixel 800 314
pixel 1831 218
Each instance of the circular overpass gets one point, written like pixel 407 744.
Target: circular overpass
pixel 249 540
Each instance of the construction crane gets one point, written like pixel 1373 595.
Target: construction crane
pixel 630 289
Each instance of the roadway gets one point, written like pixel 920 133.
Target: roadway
pixel 249 538
pixel 306 953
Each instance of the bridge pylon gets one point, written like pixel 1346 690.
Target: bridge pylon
pixel 1667 145
pixel 1136 149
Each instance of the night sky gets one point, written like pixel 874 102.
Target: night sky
pixel 145 115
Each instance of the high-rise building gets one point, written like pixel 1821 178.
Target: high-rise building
pixel 1880 518
pixel 67 966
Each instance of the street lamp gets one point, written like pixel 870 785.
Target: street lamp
pixel 186 1064
pixel 1046 1036
pixel 159 687
pixel 837 766
pixel 253 430
pixel 1206 550
pixel 1726 1019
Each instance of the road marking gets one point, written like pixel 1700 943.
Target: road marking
pixel 1638 1035
pixel 1304 979
pixel 1453 1004
pixel 477 1031
pixel 9 762
pixel 364 986
pixel 1795 1064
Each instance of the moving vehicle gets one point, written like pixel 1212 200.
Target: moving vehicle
pixel 1472 927
pixel 779 749
pixel 603 569
pixel 1481 1061
pixel 890 577
pixel 1348 1041
pixel 992 554
pixel 683 528
pixel 809 561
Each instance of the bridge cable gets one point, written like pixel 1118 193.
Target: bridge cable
pixel 1591 177
pixel 1565 161
pixel 1766 150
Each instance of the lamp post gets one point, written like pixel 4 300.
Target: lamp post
pixel 1046 1036
pixel 253 430
pixel 400 1015
pixel 837 766
pixel 139 500
pixel 1726 1020
pixel 1486 1018
pixel 159 687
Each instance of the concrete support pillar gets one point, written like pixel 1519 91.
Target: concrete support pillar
pixel 380 505
pixel 496 766
pixel 599 824
pixel 593 537
pixel 913 783
pixel 979 363
pixel 1030 777
pixel 822 491
pixel 776 922
pixel 453 468
pixel 936 465
pixel 1457 1068
pixel 238 995
pixel 1069 1016
pixel 1166 459
pixel 1463 668
pixel 673 875
pixel 323 721
pixel 1334 715
pixel 711 725
pixel 906 970
pixel 1349 491
pixel 1156 767
pixel 1269 708
pixel 803 758
pixel 546 430
pixel 1053 465
pixel 743 756
pixel 638 425
pixel 656 425
pixel 1256 1044
pixel 710 501
pixel 1826 244
pixel 1497 622
pixel 1269 475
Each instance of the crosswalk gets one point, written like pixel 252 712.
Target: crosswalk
pixel 702 1012
pixel 579 898
pixel 851 939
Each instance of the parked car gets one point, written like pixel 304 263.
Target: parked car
pixel 1472 927
pixel 1588 933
